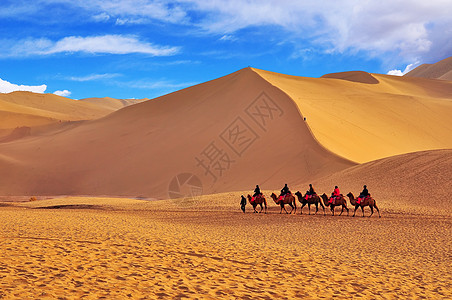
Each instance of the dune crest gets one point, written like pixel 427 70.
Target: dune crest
pixel 354 76
pixel 440 70
pixel 365 122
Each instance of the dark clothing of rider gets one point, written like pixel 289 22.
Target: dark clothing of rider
pixel 364 193
pixel 285 190
pixel 257 191
pixel 311 190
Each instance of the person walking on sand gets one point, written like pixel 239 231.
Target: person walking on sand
pixel 243 203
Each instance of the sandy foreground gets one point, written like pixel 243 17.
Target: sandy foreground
pixel 82 247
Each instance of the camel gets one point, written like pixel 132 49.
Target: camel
pixel 365 202
pixel 315 199
pixel 338 202
pixel 288 199
pixel 258 200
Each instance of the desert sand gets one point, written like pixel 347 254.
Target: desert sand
pixel 142 201
pixel 207 248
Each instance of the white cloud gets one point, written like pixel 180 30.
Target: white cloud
pixel 102 17
pixel 105 44
pixel 395 72
pixel 63 93
pixel 406 28
pixel 7 87
pixel 408 68
pixel 92 77
pixel 228 37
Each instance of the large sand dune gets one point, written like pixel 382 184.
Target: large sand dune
pixel 231 133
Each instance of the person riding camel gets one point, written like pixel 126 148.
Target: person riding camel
pixel 257 192
pixel 363 195
pixel 285 190
pixel 335 195
pixel 311 192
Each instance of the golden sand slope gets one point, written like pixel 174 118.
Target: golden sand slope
pixel 363 122
pixel 208 249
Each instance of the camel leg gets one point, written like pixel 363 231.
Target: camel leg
pixel 362 208
pixel 302 205
pixel 371 210
pixel 292 208
pixel 323 208
pixel 316 208
pixel 356 208
pixel 342 210
pixel 377 210
pixel 332 209
pixel 261 207
pixel 309 208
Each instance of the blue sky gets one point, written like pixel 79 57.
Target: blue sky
pixel 145 48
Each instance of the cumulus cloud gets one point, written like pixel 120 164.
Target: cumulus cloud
pixel 408 68
pixel 105 44
pixel 7 87
pixel 63 93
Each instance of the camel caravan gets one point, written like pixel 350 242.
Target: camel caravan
pixel 311 197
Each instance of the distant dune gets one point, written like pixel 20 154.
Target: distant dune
pixel 440 70
pixel 354 76
pixel 229 134
pixel 112 103
pixel 30 109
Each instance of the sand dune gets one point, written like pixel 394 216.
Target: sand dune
pixel 364 122
pixel 354 76
pixel 31 109
pixel 112 103
pixel 440 70
pixel 232 133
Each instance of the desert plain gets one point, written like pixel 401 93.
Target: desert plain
pixel 106 221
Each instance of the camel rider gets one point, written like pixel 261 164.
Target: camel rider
pixel 257 192
pixel 335 195
pixel 311 192
pixel 363 195
pixel 285 190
